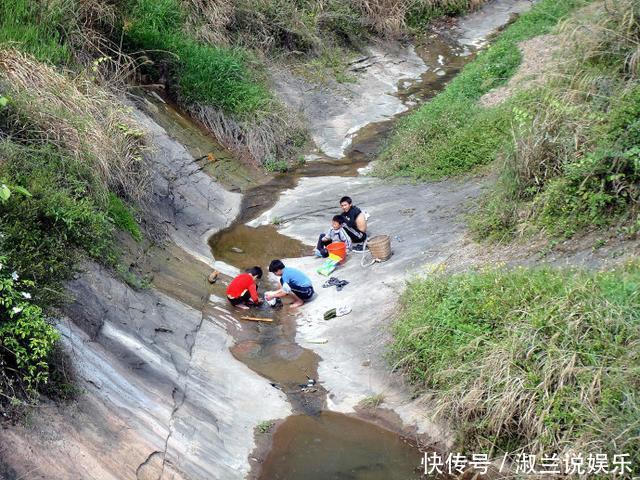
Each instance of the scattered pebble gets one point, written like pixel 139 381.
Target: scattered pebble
pixel 213 276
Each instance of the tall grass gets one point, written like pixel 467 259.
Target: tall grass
pixel 534 360
pixel 205 74
pixel 37 28
pixel 574 162
pixel 309 26
pixel 451 134
pixel 73 33
pixel 80 118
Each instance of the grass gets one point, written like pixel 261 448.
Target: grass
pixel 77 117
pixel 121 215
pixel 37 28
pixel 373 401
pixel 205 74
pixel 572 162
pixel 332 63
pixel 538 360
pixel 451 134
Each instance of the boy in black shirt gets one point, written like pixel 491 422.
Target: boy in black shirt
pixel 355 223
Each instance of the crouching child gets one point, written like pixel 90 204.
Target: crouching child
pixel 243 289
pixel 294 284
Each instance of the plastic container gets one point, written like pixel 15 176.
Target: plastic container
pixel 339 249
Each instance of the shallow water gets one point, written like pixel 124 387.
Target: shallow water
pixel 319 444
pixel 257 246
pixel 333 446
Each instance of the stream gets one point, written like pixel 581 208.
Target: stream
pixel 314 442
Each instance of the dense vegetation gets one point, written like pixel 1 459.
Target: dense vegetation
pixel 70 160
pixel 537 360
pixel 574 159
pixel 567 150
pixel 451 134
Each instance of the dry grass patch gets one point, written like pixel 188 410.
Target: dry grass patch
pixel 79 117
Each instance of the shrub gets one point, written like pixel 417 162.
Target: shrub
pixel 575 158
pixel 539 360
pixel 26 339
pixel 43 233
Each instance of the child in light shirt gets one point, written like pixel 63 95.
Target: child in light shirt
pixel 335 234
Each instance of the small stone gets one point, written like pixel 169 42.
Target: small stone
pixel 237 250
pixel 366 363
pixel 213 276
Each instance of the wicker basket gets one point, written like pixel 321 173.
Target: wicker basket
pixel 380 247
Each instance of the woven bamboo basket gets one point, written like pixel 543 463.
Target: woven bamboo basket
pixel 380 247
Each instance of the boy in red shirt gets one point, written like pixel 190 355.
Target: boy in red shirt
pixel 243 291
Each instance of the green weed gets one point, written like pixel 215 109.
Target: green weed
pixel 528 359
pixel 122 217
pixel 272 165
pixel 266 426
pixel 451 134
pixel 44 232
pixel 373 401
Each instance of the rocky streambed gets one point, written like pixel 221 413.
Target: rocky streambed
pixel 175 385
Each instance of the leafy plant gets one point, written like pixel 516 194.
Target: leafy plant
pixel 26 339
pixel 373 401
pixel 44 232
pixel 273 165
pixel 266 426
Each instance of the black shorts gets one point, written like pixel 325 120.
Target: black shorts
pixel 303 293
pixel 244 298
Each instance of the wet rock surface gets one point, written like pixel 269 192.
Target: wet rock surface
pixel 163 397
pixel 190 205
pixel 335 112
